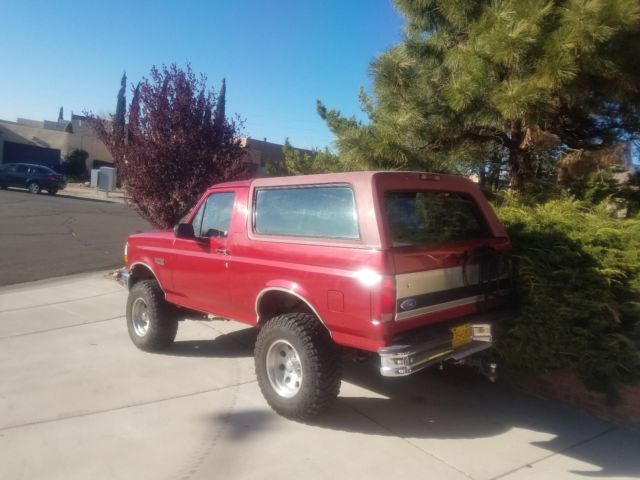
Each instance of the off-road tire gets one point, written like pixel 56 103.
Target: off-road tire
pixel 319 360
pixel 162 322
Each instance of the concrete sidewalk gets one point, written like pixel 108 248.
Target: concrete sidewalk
pixel 81 191
pixel 78 401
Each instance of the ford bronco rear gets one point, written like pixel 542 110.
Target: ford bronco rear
pixel 412 267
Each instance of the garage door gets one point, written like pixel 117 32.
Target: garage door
pixel 20 153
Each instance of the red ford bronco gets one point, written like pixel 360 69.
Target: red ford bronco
pixel 412 267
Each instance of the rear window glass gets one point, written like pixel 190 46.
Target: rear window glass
pixel 431 217
pixel 325 211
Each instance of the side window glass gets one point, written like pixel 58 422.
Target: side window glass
pixel 21 169
pixel 197 220
pixel 316 211
pixel 216 217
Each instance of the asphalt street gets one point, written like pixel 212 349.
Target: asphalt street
pixel 43 236
pixel 79 401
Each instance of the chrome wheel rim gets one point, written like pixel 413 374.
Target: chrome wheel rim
pixel 140 317
pixel 34 188
pixel 284 369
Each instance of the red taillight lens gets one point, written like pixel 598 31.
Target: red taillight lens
pixel 52 177
pixel 383 300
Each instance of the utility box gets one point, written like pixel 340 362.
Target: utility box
pixel 94 177
pixel 107 179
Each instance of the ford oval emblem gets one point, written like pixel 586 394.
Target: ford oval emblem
pixel 408 304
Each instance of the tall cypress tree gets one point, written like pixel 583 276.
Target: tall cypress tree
pixel 221 101
pixel 480 83
pixel 60 115
pixel 121 109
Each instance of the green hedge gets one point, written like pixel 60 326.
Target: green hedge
pixel 578 288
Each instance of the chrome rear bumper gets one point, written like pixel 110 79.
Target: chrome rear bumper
pixel 414 352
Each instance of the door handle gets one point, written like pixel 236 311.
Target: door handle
pixel 223 251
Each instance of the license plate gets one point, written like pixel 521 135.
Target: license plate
pixel 461 335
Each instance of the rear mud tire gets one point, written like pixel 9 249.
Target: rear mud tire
pixel 302 341
pixel 151 321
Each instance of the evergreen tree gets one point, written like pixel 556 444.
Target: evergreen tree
pixel 499 85
pixel 305 162
pixel 300 162
pixel 221 104
pixel 60 115
pixel 121 109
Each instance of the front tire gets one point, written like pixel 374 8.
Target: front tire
pixel 34 187
pixel 151 323
pixel 297 366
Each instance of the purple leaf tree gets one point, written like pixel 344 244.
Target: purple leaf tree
pixel 176 143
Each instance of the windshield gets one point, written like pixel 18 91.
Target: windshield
pixel 432 217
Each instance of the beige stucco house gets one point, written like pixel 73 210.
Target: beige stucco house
pixel 47 142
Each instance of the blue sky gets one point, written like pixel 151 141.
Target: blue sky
pixel 278 56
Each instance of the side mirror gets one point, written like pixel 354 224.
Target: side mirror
pixel 184 230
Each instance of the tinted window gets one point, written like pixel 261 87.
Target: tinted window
pixel 429 217
pixel 44 171
pixel 22 169
pixel 328 212
pixel 214 217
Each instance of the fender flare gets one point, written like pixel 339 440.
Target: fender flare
pixel 290 288
pixel 147 267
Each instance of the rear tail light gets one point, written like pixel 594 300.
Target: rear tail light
pixel 52 177
pixel 383 300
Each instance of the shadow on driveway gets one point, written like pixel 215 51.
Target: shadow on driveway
pixel 231 345
pixel 454 404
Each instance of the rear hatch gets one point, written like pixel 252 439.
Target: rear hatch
pixel 449 252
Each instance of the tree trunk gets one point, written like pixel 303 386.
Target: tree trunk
pixel 520 162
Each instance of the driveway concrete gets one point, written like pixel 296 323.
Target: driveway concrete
pixel 78 401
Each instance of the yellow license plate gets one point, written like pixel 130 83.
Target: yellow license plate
pixel 461 335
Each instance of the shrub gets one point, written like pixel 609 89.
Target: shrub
pixel 578 287
pixel 75 163
pixel 609 185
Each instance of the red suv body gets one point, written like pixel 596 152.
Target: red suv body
pixel 408 265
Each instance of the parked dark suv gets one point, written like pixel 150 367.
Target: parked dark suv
pixel 35 178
